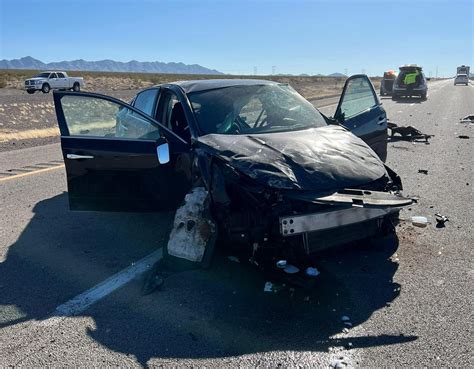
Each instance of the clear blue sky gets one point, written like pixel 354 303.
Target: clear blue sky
pixel 236 36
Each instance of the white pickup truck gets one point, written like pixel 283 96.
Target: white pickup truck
pixel 53 80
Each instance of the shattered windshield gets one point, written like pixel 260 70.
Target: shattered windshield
pixel 253 109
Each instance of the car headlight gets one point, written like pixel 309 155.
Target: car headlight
pixel 38 82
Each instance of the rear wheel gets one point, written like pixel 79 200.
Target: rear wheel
pixel 46 88
pixel 76 87
pixel 423 96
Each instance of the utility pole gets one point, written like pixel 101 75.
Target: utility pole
pixel 255 70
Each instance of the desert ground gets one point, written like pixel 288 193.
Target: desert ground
pixel 29 120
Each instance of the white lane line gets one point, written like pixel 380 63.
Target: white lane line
pixel 83 301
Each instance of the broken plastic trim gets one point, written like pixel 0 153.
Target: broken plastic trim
pixel 293 225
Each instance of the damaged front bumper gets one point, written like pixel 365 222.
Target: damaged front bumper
pixel 353 215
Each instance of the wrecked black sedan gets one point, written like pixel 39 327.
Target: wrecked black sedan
pixel 249 162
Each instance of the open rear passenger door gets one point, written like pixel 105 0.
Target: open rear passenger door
pixel 117 158
pixel 360 111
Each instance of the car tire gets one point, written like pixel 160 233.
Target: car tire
pixel 31 92
pixel 423 96
pixel 76 87
pixel 45 88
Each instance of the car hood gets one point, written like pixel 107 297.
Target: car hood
pixel 318 159
pixel 36 78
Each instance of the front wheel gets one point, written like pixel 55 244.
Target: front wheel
pixel 76 87
pixel 46 88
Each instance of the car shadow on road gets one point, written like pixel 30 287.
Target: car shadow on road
pixel 409 100
pixel 198 314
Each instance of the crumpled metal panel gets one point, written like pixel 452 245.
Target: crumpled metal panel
pixel 319 159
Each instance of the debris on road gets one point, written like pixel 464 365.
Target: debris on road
pixel 419 221
pixel 464 137
pixel 312 272
pixel 467 119
pixel 193 229
pixel 272 287
pixel 440 220
pixel 291 269
pixel 423 171
pixel 408 133
pixel 281 264
pixel 345 318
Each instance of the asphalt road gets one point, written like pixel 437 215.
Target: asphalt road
pixel 409 298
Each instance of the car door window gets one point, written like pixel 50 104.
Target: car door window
pixel 145 101
pixel 172 115
pixel 97 117
pixel 53 75
pixel 358 96
pixel 60 75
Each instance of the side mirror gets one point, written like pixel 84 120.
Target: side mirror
pixel 163 152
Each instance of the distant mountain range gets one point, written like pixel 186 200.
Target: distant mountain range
pixel 107 66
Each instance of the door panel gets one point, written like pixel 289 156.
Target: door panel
pixel 360 111
pixel 117 169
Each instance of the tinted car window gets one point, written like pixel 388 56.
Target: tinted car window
pixel 53 75
pixel 60 75
pixel 358 97
pixel 90 116
pixel 145 101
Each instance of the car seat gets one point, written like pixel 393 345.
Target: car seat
pixel 178 122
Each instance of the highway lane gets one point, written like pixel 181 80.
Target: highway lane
pixel 409 301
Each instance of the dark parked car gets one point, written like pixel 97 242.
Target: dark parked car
pixel 283 180
pixel 403 87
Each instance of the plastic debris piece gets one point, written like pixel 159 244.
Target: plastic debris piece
pixel 345 330
pixel 468 119
pixel 440 220
pixel 268 287
pixel 312 272
pixel 345 318
pixel 423 171
pixel 281 264
pixel 291 269
pixel 419 221
pixel 235 259
pixel 349 324
pixel 338 364
pixel 465 137
pixel 272 287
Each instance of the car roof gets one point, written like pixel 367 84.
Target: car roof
pixel 212 84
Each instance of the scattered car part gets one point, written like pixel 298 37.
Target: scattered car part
pixel 465 137
pixel 419 221
pixel 193 229
pixel 408 133
pixel 423 171
pixel 440 220
pixel 468 119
